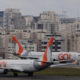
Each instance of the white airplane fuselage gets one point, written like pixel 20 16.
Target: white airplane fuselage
pixel 27 65
pixel 55 55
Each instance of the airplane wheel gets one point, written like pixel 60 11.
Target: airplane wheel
pixel 30 74
pixel 5 72
pixel 15 74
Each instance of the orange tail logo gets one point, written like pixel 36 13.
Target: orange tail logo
pixel 45 54
pixel 20 47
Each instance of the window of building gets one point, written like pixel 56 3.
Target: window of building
pixel 40 26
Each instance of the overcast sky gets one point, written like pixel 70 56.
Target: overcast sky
pixel 35 7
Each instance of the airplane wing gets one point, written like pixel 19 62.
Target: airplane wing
pixel 16 69
pixel 63 65
pixel 68 63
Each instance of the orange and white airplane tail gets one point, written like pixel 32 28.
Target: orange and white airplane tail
pixel 47 56
pixel 20 50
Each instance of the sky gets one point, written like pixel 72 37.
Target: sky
pixel 35 7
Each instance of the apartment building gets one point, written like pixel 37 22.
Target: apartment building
pixel 70 30
pixel 13 19
pixel 1 18
pixel 49 21
pixel 58 44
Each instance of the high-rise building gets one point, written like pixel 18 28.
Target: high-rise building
pixel 29 21
pixel 50 21
pixel 1 18
pixel 13 19
pixel 3 46
pixel 70 30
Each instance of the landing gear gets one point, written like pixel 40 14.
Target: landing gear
pixel 15 74
pixel 5 72
pixel 30 74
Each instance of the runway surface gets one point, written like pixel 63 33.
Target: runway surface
pixel 38 77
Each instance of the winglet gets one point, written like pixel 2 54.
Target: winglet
pixel 20 47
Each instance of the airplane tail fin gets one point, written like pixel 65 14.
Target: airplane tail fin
pixel 47 56
pixel 20 49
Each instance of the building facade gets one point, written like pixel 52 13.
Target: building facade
pixel 13 19
pixel 58 43
pixel 49 21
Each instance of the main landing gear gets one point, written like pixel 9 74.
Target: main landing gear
pixel 15 74
pixel 5 71
pixel 30 74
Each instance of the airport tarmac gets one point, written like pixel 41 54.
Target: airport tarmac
pixel 38 77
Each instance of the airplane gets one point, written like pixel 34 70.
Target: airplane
pixel 62 57
pixel 28 65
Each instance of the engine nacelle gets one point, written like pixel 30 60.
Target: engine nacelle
pixel 2 70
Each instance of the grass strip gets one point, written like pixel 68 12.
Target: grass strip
pixel 60 72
